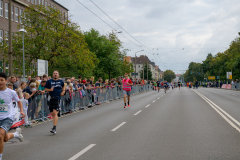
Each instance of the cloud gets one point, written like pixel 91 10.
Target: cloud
pixel 199 26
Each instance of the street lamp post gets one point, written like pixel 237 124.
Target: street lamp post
pixel 23 31
pixel 135 61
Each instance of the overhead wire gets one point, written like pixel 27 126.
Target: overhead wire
pixel 104 21
pixel 119 25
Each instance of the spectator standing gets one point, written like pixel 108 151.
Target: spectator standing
pixel 20 90
pixel 13 81
pixel 38 79
pixel 29 79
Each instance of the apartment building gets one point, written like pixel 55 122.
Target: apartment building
pixel 17 9
pixel 140 62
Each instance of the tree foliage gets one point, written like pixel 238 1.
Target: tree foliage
pixel 217 65
pixel 147 75
pixel 169 75
pixel 111 58
pixel 50 37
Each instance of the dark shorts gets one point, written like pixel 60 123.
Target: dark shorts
pixel 54 104
pixel 128 93
pixel 6 124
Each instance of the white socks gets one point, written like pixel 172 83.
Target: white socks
pixel 16 135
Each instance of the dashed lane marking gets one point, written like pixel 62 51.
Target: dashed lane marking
pixel 137 112
pixel 147 105
pixel 120 125
pixel 82 152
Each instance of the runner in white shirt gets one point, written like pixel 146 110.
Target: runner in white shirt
pixel 7 113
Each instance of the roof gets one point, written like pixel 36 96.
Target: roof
pixel 142 59
pixel 60 4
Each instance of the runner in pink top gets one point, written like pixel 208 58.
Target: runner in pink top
pixel 126 83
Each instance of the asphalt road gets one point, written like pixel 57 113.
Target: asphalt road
pixel 186 124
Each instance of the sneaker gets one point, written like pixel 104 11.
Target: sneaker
pixel 129 105
pixel 20 136
pixel 125 106
pixel 53 131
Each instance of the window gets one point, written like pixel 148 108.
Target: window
pixel 6 10
pixel 16 14
pixel 33 1
pixel 40 2
pixel 21 12
pixel 1 37
pixel 65 16
pixel 12 12
pixel 1 8
pixel 6 36
pixel 28 0
pixel 46 4
pixel 43 2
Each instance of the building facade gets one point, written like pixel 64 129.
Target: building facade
pixel 17 9
pixel 140 62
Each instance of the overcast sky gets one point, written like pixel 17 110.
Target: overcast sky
pixel 177 31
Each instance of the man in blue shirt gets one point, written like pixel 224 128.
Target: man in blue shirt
pixel 56 89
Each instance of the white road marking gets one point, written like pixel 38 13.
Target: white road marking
pixel 120 125
pixel 220 111
pixel 154 101
pixel 158 97
pixel 137 112
pixel 82 152
pixel 147 105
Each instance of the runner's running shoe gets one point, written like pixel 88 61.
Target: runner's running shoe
pixel 19 135
pixel 53 131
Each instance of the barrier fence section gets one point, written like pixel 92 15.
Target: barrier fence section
pixel 38 108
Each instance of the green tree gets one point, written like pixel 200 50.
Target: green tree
pixel 107 49
pixel 169 75
pixel 147 75
pixel 51 38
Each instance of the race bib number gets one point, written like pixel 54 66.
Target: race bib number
pixel 3 108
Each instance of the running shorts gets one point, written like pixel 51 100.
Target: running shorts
pixel 127 93
pixel 54 104
pixel 6 124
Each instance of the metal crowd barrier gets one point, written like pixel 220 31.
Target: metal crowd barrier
pixel 38 109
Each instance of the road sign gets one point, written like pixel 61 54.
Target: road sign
pixel 42 67
pixel 228 75
pixel 217 77
pixel 211 77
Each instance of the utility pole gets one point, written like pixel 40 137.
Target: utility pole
pixel 147 69
pixel 143 71
pixel 10 38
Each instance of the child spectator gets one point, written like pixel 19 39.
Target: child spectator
pixel 10 85
pixel 25 109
